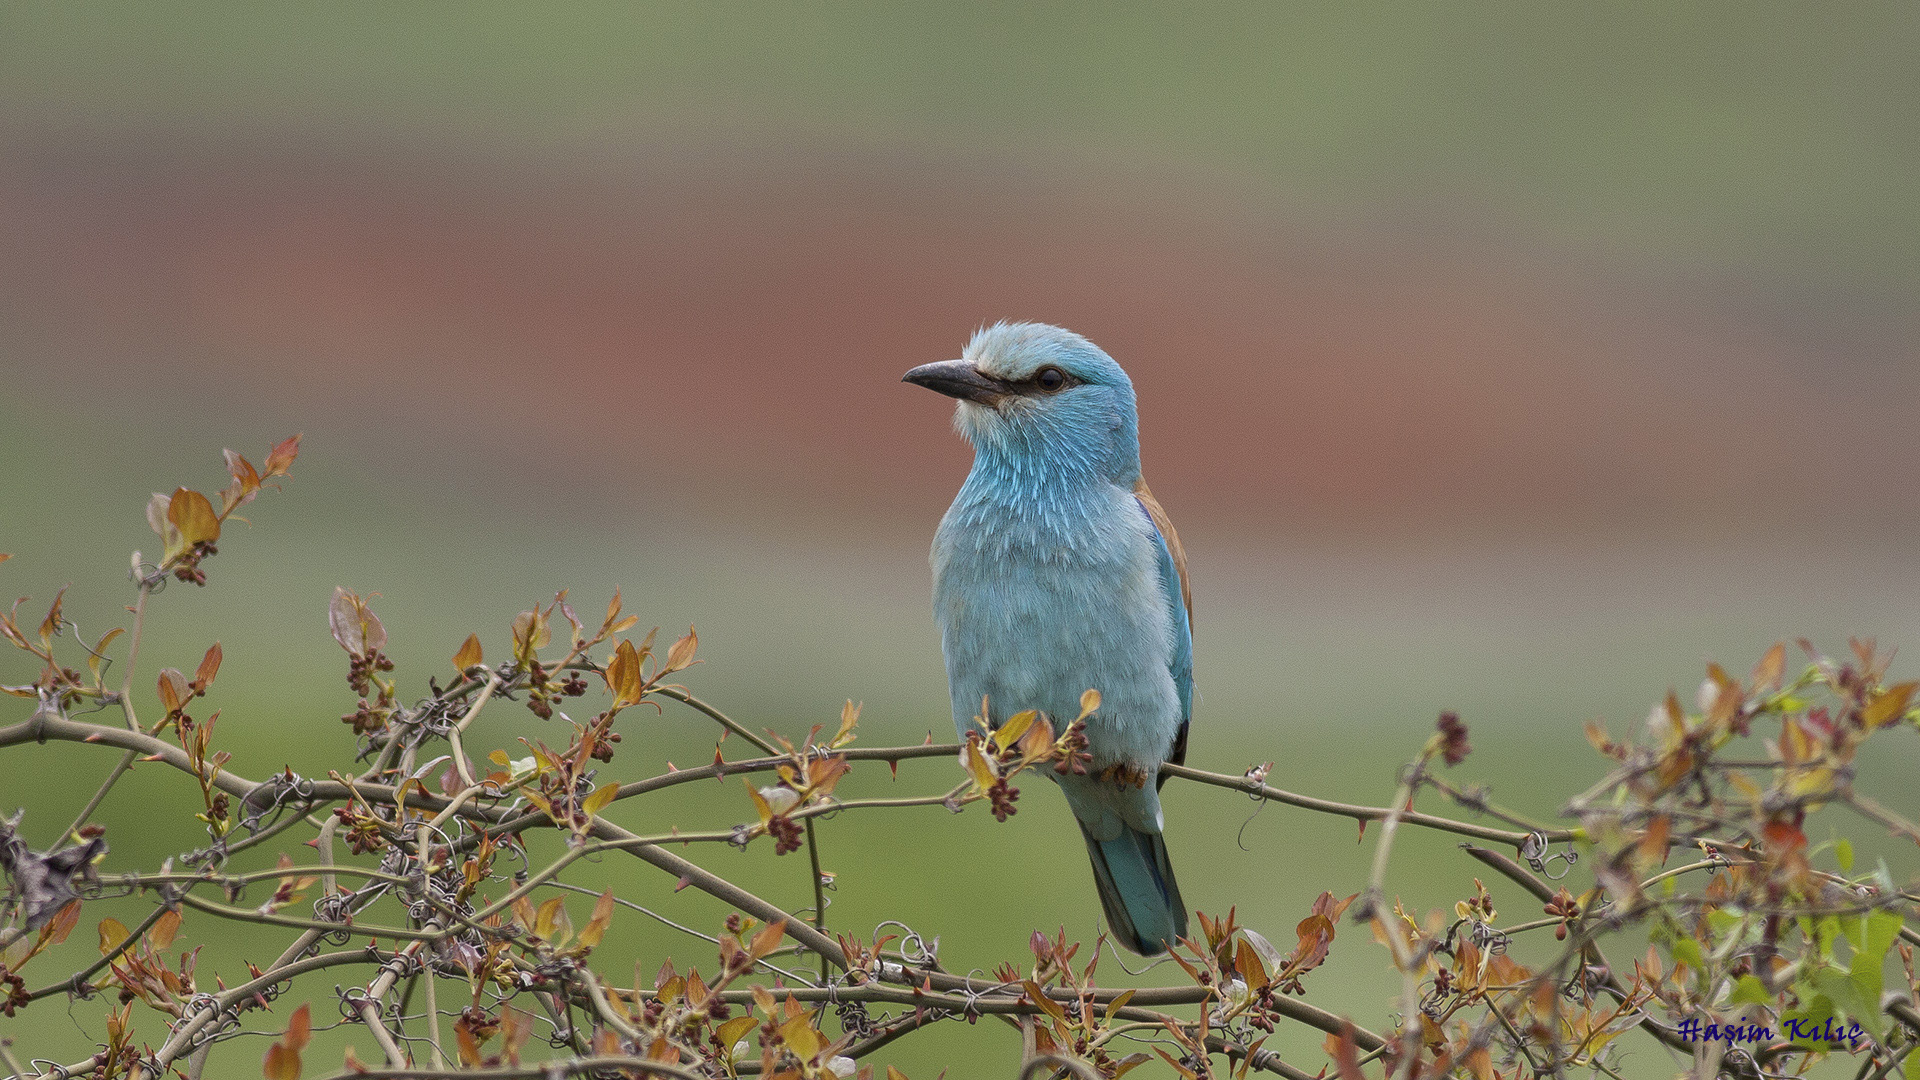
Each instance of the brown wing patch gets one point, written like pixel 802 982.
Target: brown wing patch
pixel 1165 524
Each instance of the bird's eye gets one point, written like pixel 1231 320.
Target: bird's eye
pixel 1051 380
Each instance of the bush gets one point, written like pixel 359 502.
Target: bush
pixel 1757 961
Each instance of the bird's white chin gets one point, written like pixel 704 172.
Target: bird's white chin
pixel 977 423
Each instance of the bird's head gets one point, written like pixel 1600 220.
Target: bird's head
pixel 1036 395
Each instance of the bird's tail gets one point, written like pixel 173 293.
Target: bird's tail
pixel 1137 890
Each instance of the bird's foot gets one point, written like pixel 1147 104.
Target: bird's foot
pixel 1124 773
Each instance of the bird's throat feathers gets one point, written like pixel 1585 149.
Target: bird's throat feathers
pixel 1051 461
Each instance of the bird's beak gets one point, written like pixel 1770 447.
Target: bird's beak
pixel 959 379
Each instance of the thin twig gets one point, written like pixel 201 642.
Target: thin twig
pixel 723 719
pixel 126 707
pixel 1361 813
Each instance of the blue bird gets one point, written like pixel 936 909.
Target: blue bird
pixel 1054 572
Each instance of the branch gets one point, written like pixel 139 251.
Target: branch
pixel 556 1067
pixel 1359 813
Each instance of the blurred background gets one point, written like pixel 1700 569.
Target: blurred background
pixel 1516 361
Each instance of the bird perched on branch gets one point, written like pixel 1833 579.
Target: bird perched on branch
pixel 1054 572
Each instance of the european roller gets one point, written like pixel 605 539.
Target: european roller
pixel 1054 572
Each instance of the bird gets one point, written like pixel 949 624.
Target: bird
pixel 1056 571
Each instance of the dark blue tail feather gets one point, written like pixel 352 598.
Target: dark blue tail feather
pixel 1137 890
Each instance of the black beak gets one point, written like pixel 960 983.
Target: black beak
pixel 959 379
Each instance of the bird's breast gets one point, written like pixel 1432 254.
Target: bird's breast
pixel 1038 604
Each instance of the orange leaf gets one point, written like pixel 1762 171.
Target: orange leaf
pixel 466 1046
pixel 1865 651
pixel 697 991
pixel 530 633
pixel 1888 705
pixel 280 458
pixel 1089 702
pixel 281 1063
pixel 50 625
pixel 1726 697
pixel 601 797
pixel 849 719
pixel 801 1038
pixel 760 804
pixel 1038 741
pixel 823 774
pixel 573 621
pixel 602 917
pixel 1183 1072
pixel 1597 735
pixel 681 654
pixel 1017 724
pixel 548 924
pixel 1796 743
pixel 977 764
pixel 623 676
pixel 193 515
pixel 299 1029
pixel 1047 1005
pixel 1346 1056
pixel 98 653
pixel 112 933
pixel 1247 962
pixel 173 689
pixel 1784 836
pixel 515 1027
pixel 63 923
pixel 246 484
pixel 469 654
pixel 523 913
pixel 1769 671
pixel 1652 847
pixel 1043 1041
pixel 733 1031
pixel 209 667
pixel 164 928
pixel 768 939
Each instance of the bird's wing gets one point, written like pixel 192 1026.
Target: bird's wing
pixel 1173 579
pixel 1169 539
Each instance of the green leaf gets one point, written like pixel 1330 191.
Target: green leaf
pixel 1872 935
pixel 1816 1011
pixel 1843 854
pixel 1749 991
pixel 1722 921
pixel 1821 932
pixel 111 935
pixel 601 796
pixel 1850 998
pixel 1882 929
pixel 1687 951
